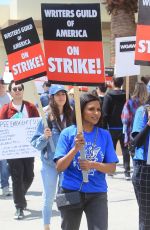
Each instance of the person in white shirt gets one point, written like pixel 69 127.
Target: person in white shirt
pixel 4 171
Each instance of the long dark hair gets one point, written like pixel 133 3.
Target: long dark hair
pixel 84 100
pixel 54 113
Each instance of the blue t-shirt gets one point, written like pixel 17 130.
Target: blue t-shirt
pixel 139 123
pixel 98 149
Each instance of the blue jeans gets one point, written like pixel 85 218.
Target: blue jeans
pixel 4 173
pixel 49 180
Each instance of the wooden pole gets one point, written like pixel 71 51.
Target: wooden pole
pixel 127 87
pixel 42 114
pixel 79 127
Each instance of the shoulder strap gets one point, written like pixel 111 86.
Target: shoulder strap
pixel 22 107
pixel 96 135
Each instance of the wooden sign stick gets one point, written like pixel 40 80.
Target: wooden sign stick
pixel 42 114
pixel 79 127
pixel 127 87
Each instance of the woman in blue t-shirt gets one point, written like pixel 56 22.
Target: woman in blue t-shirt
pixel 58 117
pixel 100 159
pixel 141 173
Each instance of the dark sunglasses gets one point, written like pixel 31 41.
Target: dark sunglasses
pixel 19 88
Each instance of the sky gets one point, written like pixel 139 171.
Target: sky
pixel 4 2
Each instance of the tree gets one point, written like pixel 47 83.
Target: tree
pixel 122 24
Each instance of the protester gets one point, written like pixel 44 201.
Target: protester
pixel 71 97
pixel 139 97
pixel 94 93
pixel 45 95
pixel 146 80
pixel 58 118
pixel 113 104
pixel 4 171
pixel 141 173
pixel 4 96
pixel 22 169
pixel 101 91
pixel 100 159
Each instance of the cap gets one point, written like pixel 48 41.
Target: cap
pixel 56 88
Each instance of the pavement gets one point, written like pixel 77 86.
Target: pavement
pixel 123 209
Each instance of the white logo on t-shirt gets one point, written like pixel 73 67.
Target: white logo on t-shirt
pixel 93 153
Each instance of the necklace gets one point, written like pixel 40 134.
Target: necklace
pixel 90 157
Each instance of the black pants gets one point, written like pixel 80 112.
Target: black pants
pixel 95 207
pixel 117 135
pixel 141 183
pixel 22 174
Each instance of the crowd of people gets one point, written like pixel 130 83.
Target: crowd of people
pixel 108 117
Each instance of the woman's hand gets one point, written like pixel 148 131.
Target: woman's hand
pixel 85 164
pixel 79 142
pixel 47 133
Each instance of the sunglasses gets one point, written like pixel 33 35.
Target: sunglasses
pixel 19 88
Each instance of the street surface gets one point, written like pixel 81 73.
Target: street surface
pixel 123 210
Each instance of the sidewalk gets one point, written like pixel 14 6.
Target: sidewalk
pixel 123 210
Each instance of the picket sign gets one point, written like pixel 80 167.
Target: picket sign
pixel 73 55
pixel 80 128
pixel 40 109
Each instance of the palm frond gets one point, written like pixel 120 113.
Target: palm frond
pixel 114 5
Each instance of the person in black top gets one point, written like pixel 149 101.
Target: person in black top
pixel 112 107
pixel 101 90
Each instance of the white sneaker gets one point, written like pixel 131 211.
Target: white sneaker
pixel 127 176
pixel 5 191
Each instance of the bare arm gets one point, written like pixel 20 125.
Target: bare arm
pixel 138 139
pixel 101 167
pixel 64 162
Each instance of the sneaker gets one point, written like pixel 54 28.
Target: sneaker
pixel 127 176
pixel 25 207
pixel 111 174
pixel 19 215
pixel 25 204
pixel 5 191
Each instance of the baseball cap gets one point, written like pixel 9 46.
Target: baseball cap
pixel 56 88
